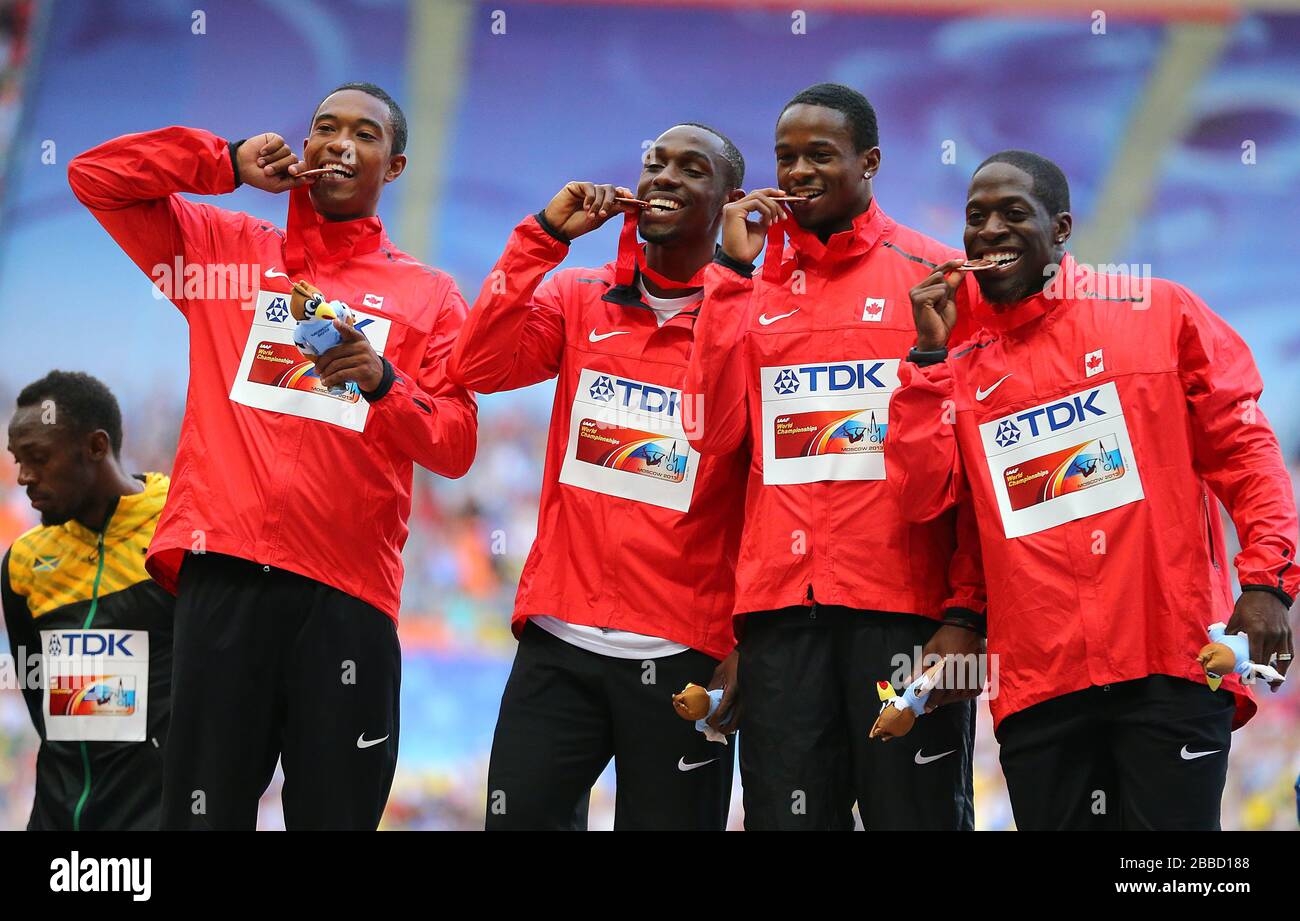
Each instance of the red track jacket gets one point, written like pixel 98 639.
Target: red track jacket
pixel 269 467
pixel 635 531
pixel 1092 424
pixel 801 364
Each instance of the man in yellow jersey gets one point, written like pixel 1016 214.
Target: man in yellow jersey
pixel 90 632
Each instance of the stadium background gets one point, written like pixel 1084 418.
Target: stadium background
pixel 506 102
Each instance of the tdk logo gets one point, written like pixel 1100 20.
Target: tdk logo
pixel 277 311
pixel 1065 416
pixel 635 395
pixel 831 378
pixel 1057 416
pixel 1052 417
pixel 89 644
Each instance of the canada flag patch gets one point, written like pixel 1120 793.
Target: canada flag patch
pixel 873 310
pixel 373 300
pixel 1093 363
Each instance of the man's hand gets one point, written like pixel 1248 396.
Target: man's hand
pixel 934 306
pixel 727 716
pixel 264 162
pixel 581 207
pixel 1263 617
pixel 742 239
pixel 351 360
pixel 955 641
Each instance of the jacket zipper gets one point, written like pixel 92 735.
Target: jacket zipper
pixel 812 611
pixel 90 617
pixel 1209 531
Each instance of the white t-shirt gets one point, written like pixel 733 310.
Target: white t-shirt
pixel 607 641
pixel 666 308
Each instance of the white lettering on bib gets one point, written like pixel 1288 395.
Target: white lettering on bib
pixel 1062 460
pixel 626 439
pixel 96 685
pixel 826 420
pixel 274 375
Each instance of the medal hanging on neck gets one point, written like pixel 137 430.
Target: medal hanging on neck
pixel 773 270
pixel 631 259
pixel 302 221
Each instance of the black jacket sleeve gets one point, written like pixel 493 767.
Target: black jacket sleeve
pixel 24 646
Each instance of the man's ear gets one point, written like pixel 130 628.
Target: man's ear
pixel 735 195
pixel 98 446
pixel 396 166
pixel 1062 227
pixel 871 162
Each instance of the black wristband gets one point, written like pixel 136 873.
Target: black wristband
pixel 385 383
pixel 966 619
pixel 740 268
pixel 550 228
pixel 234 161
pixel 923 359
pixel 1273 590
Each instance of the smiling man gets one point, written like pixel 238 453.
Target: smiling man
pixel 287 598
pixel 796 368
pixel 1093 426
pixel 627 593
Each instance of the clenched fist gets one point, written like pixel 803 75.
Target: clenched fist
pixel 934 306
pixel 264 162
pixel 581 207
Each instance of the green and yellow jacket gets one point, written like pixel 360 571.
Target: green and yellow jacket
pixel 91 637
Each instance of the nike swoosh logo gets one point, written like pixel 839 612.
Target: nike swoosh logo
pixel 981 394
pixel 1192 756
pixel 272 273
pixel 765 320
pixel 592 336
pixel 926 759
pixel 363 742
pixel 683 766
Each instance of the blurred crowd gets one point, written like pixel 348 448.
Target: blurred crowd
pixel 469 539
pixel 15 24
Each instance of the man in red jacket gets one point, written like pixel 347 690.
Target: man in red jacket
pixel 836 588
pixel 283 532
pixel 627 593
pixel 1092 417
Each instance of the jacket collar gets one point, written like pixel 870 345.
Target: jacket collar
pixel 1070 283
pixel 629 295
pixel 308 237
pixel 130 513
pixel 868 227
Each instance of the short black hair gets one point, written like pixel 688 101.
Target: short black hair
pixel 82 404
pixel 396 117
pixel 1049 184
pixel 841 98
pixel 730 153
